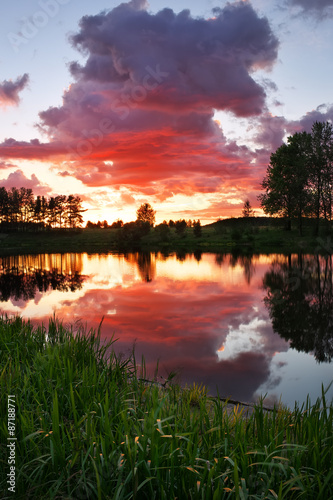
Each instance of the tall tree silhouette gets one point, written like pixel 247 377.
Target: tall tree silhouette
pixel 287 181
pixel 321 169
pixel 299 178
pixel 74 211
pixel 247 209
pixel 20 210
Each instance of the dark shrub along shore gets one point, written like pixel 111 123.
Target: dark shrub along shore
pixel 88 426
pixel 247 235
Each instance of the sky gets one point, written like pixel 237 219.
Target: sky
pixel 174 103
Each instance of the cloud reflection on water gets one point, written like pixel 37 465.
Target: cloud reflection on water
pixel 180 312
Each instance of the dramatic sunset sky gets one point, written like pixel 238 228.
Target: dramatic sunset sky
pixel 172 102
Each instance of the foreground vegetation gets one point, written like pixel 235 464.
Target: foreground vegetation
pixel 254 234
pixel 88 426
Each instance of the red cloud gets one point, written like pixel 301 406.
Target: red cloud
pixel 141 110
pixel 32 150
pixel 4 165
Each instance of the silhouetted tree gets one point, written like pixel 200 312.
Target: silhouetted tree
pixel 44 210
pixel 163 231
pixel 197 229
pixel 299 179
pixel 4 205
pixel 129 236
pixel 73 211
pixel 321 170
pixel 287 181
pixel 60 210
pixel 180 226
pixel 14 204
pixel 117 224
pixel 26 202
pixel 20 210
pixel 51 212
pixel 247 209
pixel 145 213
pixel 38 218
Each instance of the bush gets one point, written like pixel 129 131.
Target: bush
pixel 163 231
pixel 235 234
pixel 197 229
pixel 132 232
pixel 180 226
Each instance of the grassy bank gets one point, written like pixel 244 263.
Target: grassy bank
pixel 89 428
pixel 223 236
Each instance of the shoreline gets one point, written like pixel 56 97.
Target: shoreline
pixel 216 239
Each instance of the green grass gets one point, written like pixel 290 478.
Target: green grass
pixel 232 235
pixel 85 240
pixel 88 427
pixel 242 238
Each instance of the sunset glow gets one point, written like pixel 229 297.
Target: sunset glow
pixel 125 103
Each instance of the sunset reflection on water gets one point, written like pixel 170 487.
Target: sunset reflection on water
pixel 202 316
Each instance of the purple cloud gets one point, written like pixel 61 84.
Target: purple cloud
pixel 140 112
pixel 271 130
pixel 18 179
pixel 9 90
pixel 316 7
pixel 163 67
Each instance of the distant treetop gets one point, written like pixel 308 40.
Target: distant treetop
pixel 247 209
pixel 146 213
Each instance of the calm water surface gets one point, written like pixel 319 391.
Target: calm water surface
pixel 245 326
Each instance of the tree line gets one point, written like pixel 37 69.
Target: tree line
pixel 299 178
pixel 179 225
pixel 20 209
pixel 145 220
pixel 104 224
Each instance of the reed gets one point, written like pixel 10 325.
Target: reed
pixel 89 426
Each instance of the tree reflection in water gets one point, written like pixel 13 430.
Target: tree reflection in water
pixel 236 258
pixel 300 303
pixel 22 277
pixel 145 262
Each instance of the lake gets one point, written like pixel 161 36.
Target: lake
pixel 244 326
